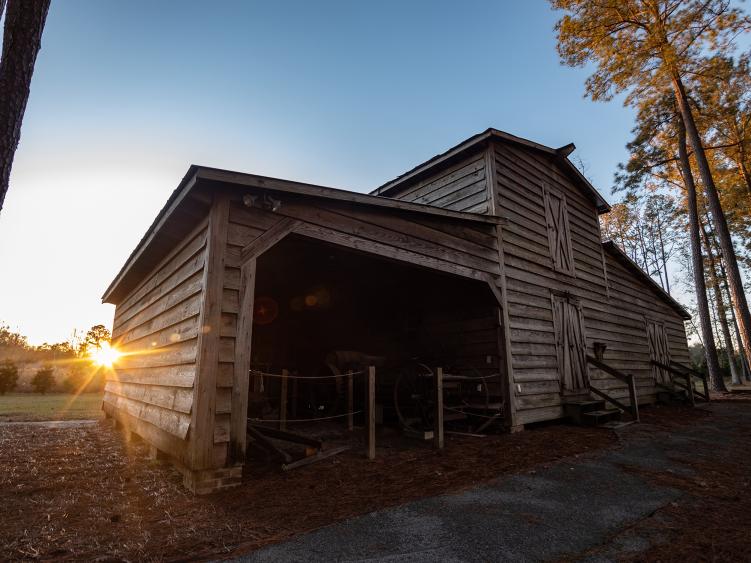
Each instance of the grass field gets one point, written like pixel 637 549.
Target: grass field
pixel 18 407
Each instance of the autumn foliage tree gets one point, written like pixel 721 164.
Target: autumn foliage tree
pixel 651 51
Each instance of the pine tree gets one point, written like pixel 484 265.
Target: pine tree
pixel 645 47
pixel 22 39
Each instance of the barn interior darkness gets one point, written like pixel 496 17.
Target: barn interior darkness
pixel 313 299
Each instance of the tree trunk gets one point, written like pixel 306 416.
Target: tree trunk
pixel 742 353
pixel 662 254
pixel 743 169
pixel 22 38
pixel 713 200
pixel 721 311
pixel 705 322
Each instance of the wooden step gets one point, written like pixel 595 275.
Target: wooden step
pixel 600 417
pixel 575 410
pixel 586 406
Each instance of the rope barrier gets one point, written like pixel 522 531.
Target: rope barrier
pixel 307 419
pixel 473 414
pixel 446 376
pixel 289 376
pixel 450 376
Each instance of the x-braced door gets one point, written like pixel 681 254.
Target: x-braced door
pixel 571 344
pixel 659 351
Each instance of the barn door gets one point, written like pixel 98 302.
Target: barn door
pixel 657 339
pixel 559 235
pixel 570 343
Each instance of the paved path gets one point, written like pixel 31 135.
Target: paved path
pixel 562 510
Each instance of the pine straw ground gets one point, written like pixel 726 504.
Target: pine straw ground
pixel 711 521
pixel 84 494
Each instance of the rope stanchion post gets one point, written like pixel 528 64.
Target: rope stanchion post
pixel 438 420
pixel 295 391
pixel 350 401
pixel 371 412
pixel 283 402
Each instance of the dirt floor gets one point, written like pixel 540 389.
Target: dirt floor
pixel 82 493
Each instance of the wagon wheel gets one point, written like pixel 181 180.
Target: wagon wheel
pixel 323 397
pixel 466 393
pixel 474 391
pixel 413 397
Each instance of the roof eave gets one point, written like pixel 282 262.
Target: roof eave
pixel 196 174
pixel 561 154
pixel 615 249
pixel 178 195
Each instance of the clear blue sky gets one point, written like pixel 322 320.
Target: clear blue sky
pixel 349 94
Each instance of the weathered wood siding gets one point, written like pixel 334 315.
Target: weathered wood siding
pixel 632 301
pixel 157 327
pixel 612 310
pixel 461 187
pixel 522 177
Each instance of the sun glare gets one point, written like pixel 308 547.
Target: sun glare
pixel 105 355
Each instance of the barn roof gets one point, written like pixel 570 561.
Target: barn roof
pixel 615 251
pixel 559 154
pixel 177 216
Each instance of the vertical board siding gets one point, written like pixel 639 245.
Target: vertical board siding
pixel 461 187
pixel 156 325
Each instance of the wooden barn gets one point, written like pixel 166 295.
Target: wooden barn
pixel 487 258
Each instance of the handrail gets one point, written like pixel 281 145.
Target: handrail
pixel 690 370
pixel 686 374
pixel 608 398
pixel 627 378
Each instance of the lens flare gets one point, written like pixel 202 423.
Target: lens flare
pixel 105 355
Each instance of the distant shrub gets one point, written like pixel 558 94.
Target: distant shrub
pixel 82 377
pixel 43 380
pixel 8 376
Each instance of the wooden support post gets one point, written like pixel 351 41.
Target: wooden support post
pixel 350 401
pixel 634 397
pixel 371 412
pixel 293 406
pixel 283 402
pixel 706 388
pixel 438 420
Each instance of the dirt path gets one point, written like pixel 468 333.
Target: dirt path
pixel 634 502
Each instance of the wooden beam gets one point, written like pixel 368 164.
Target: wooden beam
pixel 207 359
pixel 371 412
pixel 350 401
pixel 314 458
pixel 299 188
pixel 389 251
pixel 287 436
pixel 504 337
pixel 283 401
pixel 268 239
pixel 438 420
pixel 241 374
